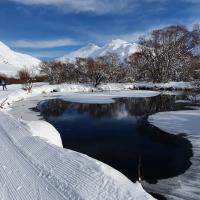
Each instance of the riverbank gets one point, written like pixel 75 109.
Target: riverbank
pixel 15 93
pixel 34 168
pixel 187 185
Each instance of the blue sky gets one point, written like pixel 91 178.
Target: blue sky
pixel 51 28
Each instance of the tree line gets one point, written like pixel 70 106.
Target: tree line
pixel 166 54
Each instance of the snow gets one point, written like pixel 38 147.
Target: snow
pixel 147 85
pixel 120 47
pixel 172 84
pixel 178 121
pixel 83 52
pixel 34 166
pixel 11 62
pixel 73 93
pixel 43 130
pixel 31 168
pixel 185 186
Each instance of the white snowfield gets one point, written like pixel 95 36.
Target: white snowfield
pixel 11 62
pixel 33 166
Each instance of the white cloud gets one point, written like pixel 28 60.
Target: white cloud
pixel 101 39
pixel 40 44
pixel 96 6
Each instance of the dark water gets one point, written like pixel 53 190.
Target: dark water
pixel 118 134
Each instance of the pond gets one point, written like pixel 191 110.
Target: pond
pixel 119 135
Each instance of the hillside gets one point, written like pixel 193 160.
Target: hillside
pixel 11 62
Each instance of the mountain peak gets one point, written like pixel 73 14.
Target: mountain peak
pixel 121 47
pixel 117 42
pixel 92 45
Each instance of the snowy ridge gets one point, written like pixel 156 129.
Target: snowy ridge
pixel 120 47
pixel 11 61
pixel 83 52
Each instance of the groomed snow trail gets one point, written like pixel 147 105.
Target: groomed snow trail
pixel 32 169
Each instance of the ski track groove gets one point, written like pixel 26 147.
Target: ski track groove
pixel 49 172
pixel 35 168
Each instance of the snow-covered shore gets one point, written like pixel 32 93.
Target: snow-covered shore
pixel 187 185
pixel 15 93
pixel 148 85
pixel 31 167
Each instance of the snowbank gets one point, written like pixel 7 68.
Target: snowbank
pixel 177 121
pixel 147 85
pixel 44 130
pixel 185 186
pixel 31 168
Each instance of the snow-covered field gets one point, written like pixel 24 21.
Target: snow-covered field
pixel 33 165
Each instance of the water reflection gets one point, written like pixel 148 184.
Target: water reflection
pixel 118 134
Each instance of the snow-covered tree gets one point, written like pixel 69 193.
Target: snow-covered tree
pixel 55 71
pixel 165 54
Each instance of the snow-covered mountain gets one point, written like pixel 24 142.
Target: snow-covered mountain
pixel 83 52
pixel 122 48
pixel 11 62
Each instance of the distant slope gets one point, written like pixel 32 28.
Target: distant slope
pixel 83 52
pixel 122 48
pixel 11 61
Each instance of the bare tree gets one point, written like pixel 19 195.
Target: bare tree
pixel 165 53
pixel 97 71
pixel 136 67
pixel 55 71
pixel 92 70
pixel 27 77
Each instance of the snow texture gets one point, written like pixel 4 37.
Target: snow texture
pixel 31 168
pixel 11 62
pixel 44 130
